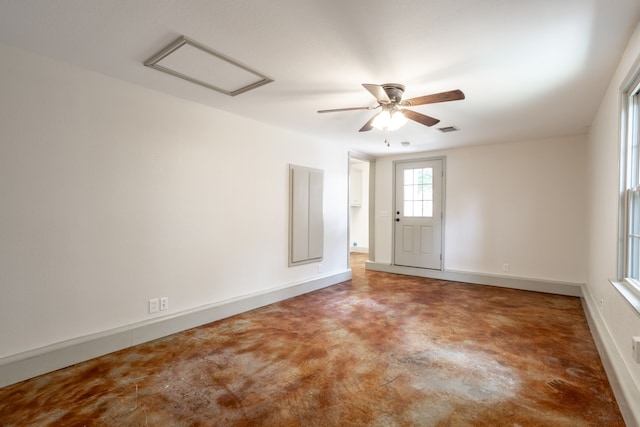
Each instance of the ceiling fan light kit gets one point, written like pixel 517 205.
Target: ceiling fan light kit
pixel 389 119
pixel 393 115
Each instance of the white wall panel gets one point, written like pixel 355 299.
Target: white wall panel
pixel 299 214
pixel 306 214
pixel 316 216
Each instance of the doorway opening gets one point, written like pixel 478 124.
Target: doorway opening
pixel 361 204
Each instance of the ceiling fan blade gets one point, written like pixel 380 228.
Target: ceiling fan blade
pixel 368 126
pixel 347 109
pixel 420 118
pixel 452 95
pixel 378 92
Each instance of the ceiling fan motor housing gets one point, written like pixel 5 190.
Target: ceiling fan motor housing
pixel 394 91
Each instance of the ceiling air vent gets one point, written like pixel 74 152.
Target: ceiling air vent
pixel 448 129
pixel 194 62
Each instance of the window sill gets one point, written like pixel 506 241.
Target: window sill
pixel 630 293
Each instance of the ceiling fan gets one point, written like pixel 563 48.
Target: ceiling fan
pixel 393 114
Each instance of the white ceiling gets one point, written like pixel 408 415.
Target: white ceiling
pixel 529 68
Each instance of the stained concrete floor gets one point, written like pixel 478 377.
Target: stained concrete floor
pixel 380 350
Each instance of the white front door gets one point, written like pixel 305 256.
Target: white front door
pixel 418 214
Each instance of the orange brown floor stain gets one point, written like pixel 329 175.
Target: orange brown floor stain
pixel 379 350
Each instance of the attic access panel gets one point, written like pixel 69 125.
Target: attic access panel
pixel 194 62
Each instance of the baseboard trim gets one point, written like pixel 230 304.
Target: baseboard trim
pixel 35 362
pixel 626 391
pixel 526 284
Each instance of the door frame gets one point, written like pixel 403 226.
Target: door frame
pixel 444 204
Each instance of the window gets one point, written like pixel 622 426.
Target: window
pixel 418 192
pixel 629 251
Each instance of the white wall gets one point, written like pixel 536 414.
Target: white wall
pixel 521 203
pixel 620 321
pixel 111 194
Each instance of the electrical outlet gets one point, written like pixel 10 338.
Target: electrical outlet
pixel 154 305
pixel 319 268
pixel 506 268
pixel 635 345
pixel 164 303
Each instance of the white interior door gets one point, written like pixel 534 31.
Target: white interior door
pixel 418 214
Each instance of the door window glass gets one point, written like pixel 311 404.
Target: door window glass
pixel 418 192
